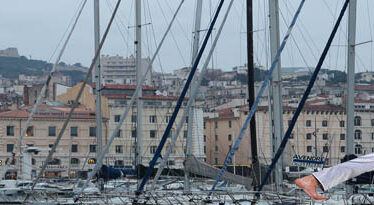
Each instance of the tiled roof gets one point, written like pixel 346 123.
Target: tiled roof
pixel 124 87
pixel 49 112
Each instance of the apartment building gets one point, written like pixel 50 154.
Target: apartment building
pixel 120 70
pixel 157 111
pixel 78 142
pixel 320 130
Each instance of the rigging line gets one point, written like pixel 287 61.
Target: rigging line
pixel 49 157
pixel 179 103
pixel 300 28
pixel 258 97
pixel 371 33
pixel 110 7
pixel 305 96
pixel 154 41
pixel 66 31
pixel 173 37
pixel 133 98
pixel 46 83
pixel 194 88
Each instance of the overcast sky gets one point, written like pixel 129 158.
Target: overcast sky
pixel 36 28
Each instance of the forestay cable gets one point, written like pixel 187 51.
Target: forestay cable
pixel 46 83
pixel 194 88
pixel 304 98
pixel 257 100
pixel 99 162
pixel 179 102
pixel 75 104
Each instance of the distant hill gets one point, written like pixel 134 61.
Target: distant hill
pixel 11 67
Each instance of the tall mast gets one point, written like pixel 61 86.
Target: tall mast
pixel 139 73
pixel 195 48
pixel 351 78
pixel 98 78
pixel 251 90
pixel 276 86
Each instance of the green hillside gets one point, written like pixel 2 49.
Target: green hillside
pixel 11 67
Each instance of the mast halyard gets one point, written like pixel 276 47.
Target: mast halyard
pixel 251 93
pixel 191 112
pixel 139 102
pixel 351 80
pixel 276 86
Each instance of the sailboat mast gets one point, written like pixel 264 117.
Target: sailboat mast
pixel 351 79
pixel 139 73
pixel 251 90
pixel 98 78
pixel 276 86
pixel 191 111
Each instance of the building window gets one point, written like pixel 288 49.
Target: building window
pixel 229 137
pixel 204 149
pixel 92 131
pixel 372 149
pixel 119 134
pixel 133 118
pixel 325 136
pixel 216 124
pixel 9 147
pixel 167 118
pixel 216 160
pixel 216 137
pixel 358 149
pixel 230 124
pixel 308 148
pixel 216 148
pixel 372 122
pixel 152 119
pixel 119 149
pixel 92 148
pixel 91 161
pixel 358 134
pixel 308 123
pixel 308 136
pixel 117 118
pixel 9 130
pixel 74 131
pixel 204 125
pixel 342 123
pixel 372 136
pixel 74 148
pixel 357 121
pixel 74 161
pixel 185 133
pixel 153 149
pixel 342 149
pixel 118 163
pixel 152 133
pixel 170 133
pixel 133 133
pixel 324 123
pixel 342 136
pixel 30 131
pixel 51 131
pixel 325 149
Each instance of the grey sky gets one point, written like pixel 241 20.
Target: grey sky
pixel 36 27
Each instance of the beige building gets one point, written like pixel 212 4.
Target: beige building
pixel 220 132
pixel 156 114
pixel 78 141
pixel 320 129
